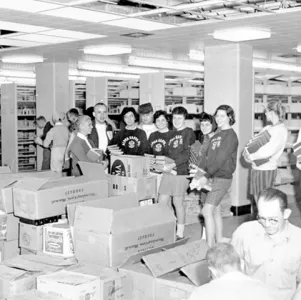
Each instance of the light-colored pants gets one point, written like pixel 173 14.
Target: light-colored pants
pixel 57 158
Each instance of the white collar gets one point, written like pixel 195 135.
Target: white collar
pixel 80 135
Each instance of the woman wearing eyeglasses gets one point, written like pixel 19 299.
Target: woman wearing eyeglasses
pixel 264 160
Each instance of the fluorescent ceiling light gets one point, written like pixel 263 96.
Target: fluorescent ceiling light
pixel 22 59
pixel 241 34
pixel 81 14
pixel 164 64
pixel 298 48
pixel 15 73
pixel 139 24
pixel 30 6
pixel 41 38
pixel 108 49
pixel 113 68
pixel 196 55
pixel 77 35
pixel 30 81
pixel 80 74
pixel 17 43
pixel 21 27
pixel 77 78
pixel 273 65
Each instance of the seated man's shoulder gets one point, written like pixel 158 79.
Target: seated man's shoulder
pixel 249 226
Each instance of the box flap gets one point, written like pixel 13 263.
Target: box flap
pixel 98 214
pixel 35 295
pixel 10 274
pixel 50 260
pixel 198 272
pixel 139 217
pixel 93 170
pixel 5 170
pixel 173 259
pixel 31 184
pixel 136 258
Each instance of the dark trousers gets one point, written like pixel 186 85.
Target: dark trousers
pixel 46 159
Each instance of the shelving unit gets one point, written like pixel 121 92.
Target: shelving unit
pixel 290 95
pixel 19 130
pixel 77 92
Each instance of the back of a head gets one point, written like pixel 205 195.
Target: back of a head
pixel 73 111
pixel 145 108
pixel 81 120
pixel 180 110
pixel 223 258
pixel 277 107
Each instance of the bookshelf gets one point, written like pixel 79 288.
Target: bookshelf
pixel 18 129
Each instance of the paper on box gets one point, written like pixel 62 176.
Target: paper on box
pixel 119 233
pixel 70 285
pixel 7 182
pixel 130 165
pixel 36 199
pixel 57 240
pixel 9 227
pixel 145 187
pixel 113 284
pixel 9 249
pixel 34 295
pixel 31 237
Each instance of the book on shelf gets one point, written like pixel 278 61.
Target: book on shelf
pixel 95 154
pixel 297 151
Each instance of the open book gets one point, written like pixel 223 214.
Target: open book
pixel 95 155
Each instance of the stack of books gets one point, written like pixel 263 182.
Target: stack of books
pixel 256 143
pixel 297 151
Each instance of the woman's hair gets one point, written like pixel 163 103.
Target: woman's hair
pixel 127 110
pixel 81 119
pixel 58 117
pixel 180 110
pixel 160 113
pixel 204 117
pixel 277 107
pixel 229 111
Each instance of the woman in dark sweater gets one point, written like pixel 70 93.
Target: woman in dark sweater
pixel 219 163
pixel 131 140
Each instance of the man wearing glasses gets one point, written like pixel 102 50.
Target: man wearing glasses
pixel 270 247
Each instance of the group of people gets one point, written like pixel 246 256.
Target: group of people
pixel 268 247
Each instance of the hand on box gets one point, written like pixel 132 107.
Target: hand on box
pixel 167 168
pixel 247 156
pixel 105 163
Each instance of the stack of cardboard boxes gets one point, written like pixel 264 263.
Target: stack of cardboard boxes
pixel 91 237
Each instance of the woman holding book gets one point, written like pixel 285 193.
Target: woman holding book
pixel 82 149
pixel 218 164
pixel 271 140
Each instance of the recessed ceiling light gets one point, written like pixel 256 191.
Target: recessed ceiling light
pixel 108 49
pixel 139 24
pixel 241 34
pixel 28 5
pixel 41 38
pixel 77 35
pixel 22 59
pixel 298 48
pixel 81 14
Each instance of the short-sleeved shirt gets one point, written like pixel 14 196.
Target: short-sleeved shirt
pixel 275 263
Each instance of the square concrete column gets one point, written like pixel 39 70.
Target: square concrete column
pixel 152 89
pixel 229 80
pixel 96 90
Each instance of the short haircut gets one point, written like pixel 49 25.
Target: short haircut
pixel 73 111
pixel 222 257
pixel 89 112
pixel 160 113
pixel 145 108
pixel 229 111
pixel 204 117
pixel 277 107
pixel 100 104
pixel 180 110
pixel 127 110
pixel 41 118
pixel 81 120
pixel 272 194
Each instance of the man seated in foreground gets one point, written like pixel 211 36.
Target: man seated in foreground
pixel 228 281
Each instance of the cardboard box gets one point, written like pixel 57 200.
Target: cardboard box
pixel 18 275
pixel 34 295
pixel 25 251
pixel 145 187
pixel 113 284
pixel 7 182
pixel 130 165
pixel 70 285
pixel 120 230
pixel 38 198
pixel 181 268
pixel 9 249
pixel 31 237
pixel 57 240
pixel 9 227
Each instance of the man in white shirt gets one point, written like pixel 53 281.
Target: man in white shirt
pixel 229 283
pixel 270 247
